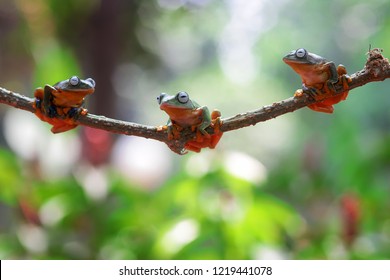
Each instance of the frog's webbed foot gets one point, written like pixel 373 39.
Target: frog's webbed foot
pixel 204 139
pixel 162 127
pixel 320 107
pixel 318 95
pixel 192 146
pixel 74 112
pixel 216 123
pixel 344 80
pixel 62 127
pixel 173 131
pixel 298 93
pixel 341 70
pixel 313 92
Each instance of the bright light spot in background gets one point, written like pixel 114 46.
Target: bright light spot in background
pixel 93 180
pixel 181 234
pixel 364 21
pixel 58 154
pixel 31 140
pixel 188 48
pixel 221 204
pixel 52 211
pixel 267 252
pixel 245 167
pixel 144 162
pixel 33 238
pixel 248 19
pixel 200 164
pixel 22 133
pixel 78 249
pixel 366 245
pixel 334 248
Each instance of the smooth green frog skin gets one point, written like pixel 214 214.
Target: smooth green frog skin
pixel 61 103
pixel 186 113
pixel 319 77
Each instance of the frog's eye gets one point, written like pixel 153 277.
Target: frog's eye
pixel 182 97
pixel 160 98
pixel 74 80
pixel 91 81
pixel 300 53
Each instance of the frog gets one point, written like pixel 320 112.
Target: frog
pixel 186 113
pixel 61 104
pixel 319 77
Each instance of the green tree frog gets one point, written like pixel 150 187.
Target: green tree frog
pixel 319 77
pixel 185 113
pixel 61 103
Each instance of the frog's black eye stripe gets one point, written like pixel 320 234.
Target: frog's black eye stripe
pixel 74 80
pixel 300 53
pixel 182 97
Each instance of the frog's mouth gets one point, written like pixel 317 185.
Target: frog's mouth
pixel 169 107
pixel 292 61
pixel 79 91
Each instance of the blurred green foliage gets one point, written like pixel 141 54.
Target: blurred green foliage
pixel 221 216
pixel 325 189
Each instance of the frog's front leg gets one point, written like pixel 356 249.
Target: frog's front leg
pixel 44 109
pixel 48 107
pixel 313 92
pixel 38 94
pixel 337 76
pixel 174 130
pixel 209 141
pixel 201 132
pixel 344 80
pixel 321 105
pixel 216 124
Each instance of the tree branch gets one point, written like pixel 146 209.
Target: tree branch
pixel 377 68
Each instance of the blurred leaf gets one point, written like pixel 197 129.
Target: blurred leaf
pixel 54 63
pixel 11 179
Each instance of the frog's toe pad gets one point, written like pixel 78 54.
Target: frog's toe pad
pixel 74 112
pixel 83 111
pixel 162 128
pixel 298 93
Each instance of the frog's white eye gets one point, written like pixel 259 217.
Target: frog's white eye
pixel 74 80
pixel 300 53
pixel 91 81
pixel 160 98
pixel 182 97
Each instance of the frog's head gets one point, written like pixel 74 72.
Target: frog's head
pixel 303 57
pixel 179 101
pixel 77 85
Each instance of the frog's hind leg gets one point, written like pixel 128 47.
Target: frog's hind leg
pixel 322 108
pixel 193 146
pixel 58 128
pixel 216 124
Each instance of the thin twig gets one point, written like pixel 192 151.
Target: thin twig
pixel 377 68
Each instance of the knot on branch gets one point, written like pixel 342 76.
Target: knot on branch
pixel 377 64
